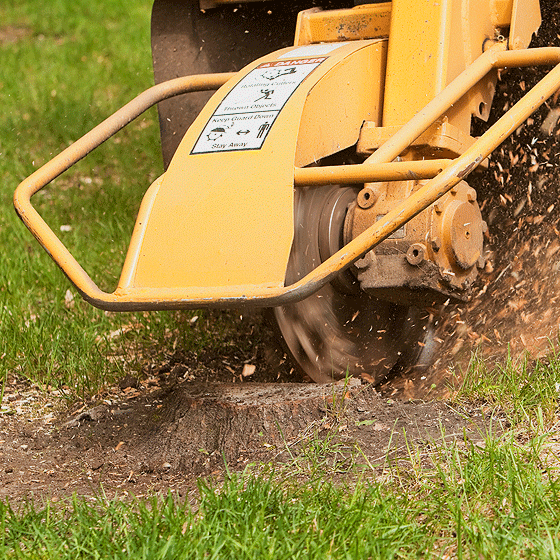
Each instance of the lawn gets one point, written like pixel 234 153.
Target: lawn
pixel 66 65
pixel 500 500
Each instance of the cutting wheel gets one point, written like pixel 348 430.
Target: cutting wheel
pixel 340 329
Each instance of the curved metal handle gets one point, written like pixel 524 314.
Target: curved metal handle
pixel 371 170
pixel 80 149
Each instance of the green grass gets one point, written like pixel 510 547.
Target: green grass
pixel 497 501
pixel 65 67
pixel 71 65
pixel 525 390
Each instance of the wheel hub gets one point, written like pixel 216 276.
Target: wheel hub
pixel 340 329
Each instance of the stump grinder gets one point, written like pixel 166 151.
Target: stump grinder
pixel 327 176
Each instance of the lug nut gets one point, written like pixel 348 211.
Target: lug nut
pixel 367 197
pixel 415 254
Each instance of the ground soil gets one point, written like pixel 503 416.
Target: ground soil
pixel 164 433
pixel 189 414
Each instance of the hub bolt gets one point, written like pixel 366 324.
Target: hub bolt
pixel 415 254
pixel 367 197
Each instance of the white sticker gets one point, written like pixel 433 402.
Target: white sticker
pixel 245 116
pixel 312 50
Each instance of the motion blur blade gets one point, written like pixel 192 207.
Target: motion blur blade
pixel 341 330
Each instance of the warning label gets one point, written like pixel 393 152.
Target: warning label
pixel 245 116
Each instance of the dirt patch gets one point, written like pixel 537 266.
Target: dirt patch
pixel 242 346
pixel 10 34
pixel 159 438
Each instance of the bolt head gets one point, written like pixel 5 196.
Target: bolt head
pixel 471 195
pixel 367 197
pixel 415 254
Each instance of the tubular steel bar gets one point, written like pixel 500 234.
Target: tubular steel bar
pixel 366 173
pixel 117 121
pixel 146 298
pixel 80 149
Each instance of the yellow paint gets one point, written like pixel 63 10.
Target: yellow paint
pixel 332 122
pixel 431 42
pixel 369 21
pixel 525 20
pixel 500 12
pixel 226 218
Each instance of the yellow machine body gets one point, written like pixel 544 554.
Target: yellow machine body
pixel 226 182
pixel 354 77
pixel 399 81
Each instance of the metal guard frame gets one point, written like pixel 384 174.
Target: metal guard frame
pixel 443 175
